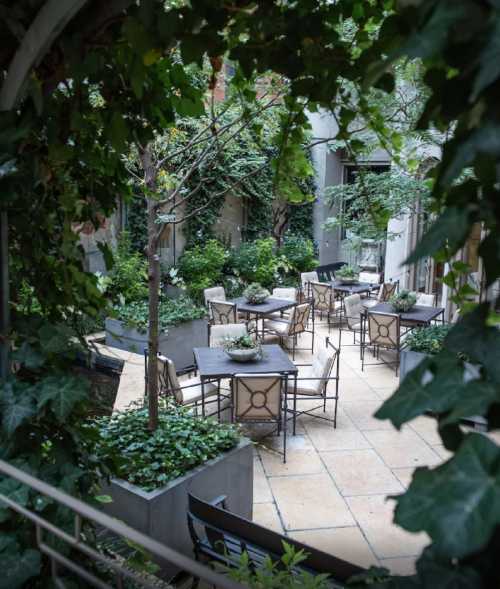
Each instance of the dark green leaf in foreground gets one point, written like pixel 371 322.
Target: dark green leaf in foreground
pixel 18 568
pixel 458 503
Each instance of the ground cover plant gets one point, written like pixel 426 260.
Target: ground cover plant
pixel 150 460
pixel 427 340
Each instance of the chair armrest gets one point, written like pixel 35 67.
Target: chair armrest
pixel 219 501
pixel 187 370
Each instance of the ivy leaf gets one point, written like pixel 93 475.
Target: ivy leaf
pixel 15 408
pixel 62 393
pixel 107 254
pixel 489 60
pixel 13 490
pixel 451 228
pixel 18 568
pixel 28 356
pixel 457 503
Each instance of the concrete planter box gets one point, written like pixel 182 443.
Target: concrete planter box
pixel 410 360
pixel 177 343
pixel 161 514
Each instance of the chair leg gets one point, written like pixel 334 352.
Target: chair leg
pixel 284 428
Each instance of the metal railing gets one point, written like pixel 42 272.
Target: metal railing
pixel 83 512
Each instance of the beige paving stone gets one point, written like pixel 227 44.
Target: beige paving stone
pixel 356 389
pixel 360 472
pixel 362 414
pixel 402 449
pixel 346 543
pixel 327 439
pixel 311 501
pixel 297 442
pixel 384 393
pixel 400 566
pixel 427 429
pixel 261 489
pixel 265 514
pixel 379 376
pixel 404 475
pixel 374 515
pixel 442 451
pixel 298 462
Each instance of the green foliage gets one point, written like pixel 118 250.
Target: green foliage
pixel 299 254
pixel 257 261
pixel 365 207
pixel 347 272
pixel 137 224
pixel 243 342
pixel 282 574
pixel 201 267
pixel 151 459
pixel 172 312
pixel 255 293
pixel 127 281
pixel 403 300
pixel 427 340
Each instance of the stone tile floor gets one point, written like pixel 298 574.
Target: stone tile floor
pixel 332 492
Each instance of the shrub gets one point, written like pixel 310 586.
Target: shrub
pixel 152 459
pixel 172 312
pixel 201 267
pixel 257 261
pixel 299 254
pixel 403 301
pixel 128 277
pixel 427 340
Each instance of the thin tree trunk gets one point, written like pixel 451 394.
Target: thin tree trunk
pixel 153 287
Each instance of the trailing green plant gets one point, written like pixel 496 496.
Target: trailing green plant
pixel 403 300
pixel 255 293
pixel 282 574
pixel 201 267
pixel 172 312
pixel 257 261
pixel 427 340
pixel 127 281
pixel 150 460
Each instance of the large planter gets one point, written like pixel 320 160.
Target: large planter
pixel 177 344
pixel 161 514
pixel 410 360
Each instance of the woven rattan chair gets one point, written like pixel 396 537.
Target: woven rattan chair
pixel 383 333
pixel 323 300
pixel 290 329
pixel 257 399
pixel 313 380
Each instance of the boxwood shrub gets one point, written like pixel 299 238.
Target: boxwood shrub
pixel 151 459
pixel 427 340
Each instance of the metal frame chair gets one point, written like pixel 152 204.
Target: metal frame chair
pixel 218 333
pixel 257 398
pixel 305 279
pixel 384 332
pixel 291 328
pixel 323 300
pixel 353 313
pixel 385 292
pixel 317 374
pixel 222 312
pixel 216 293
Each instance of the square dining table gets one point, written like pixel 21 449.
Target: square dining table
pixel 215 364
pixel 356 288
pixel 417 315
pixel 270 305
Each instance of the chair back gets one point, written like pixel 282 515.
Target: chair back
pixel 322 365
pixel 222 313
pixel 219 333
pixel 322 295
pixel 425 299
pixel 371 277
pixel 257 397
pixel 289 294
pixel 353 308
pixel 299 319
pixel 305 279
pixel 383 329
pixel 386 291
pixel 217 293
pixel 168 383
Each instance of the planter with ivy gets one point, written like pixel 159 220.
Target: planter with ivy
pixel 182 327
pixel 429 341
pixel 154 472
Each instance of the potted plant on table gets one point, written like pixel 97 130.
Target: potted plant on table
pixel 242 349
pixel 403 301
pixel 256 294
pixel 347 274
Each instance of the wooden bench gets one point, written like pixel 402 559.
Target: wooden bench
pixel 221 536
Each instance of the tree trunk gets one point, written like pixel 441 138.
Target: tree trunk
pixel 153 287
pixel 280 220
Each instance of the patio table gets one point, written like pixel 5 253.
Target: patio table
pixel 215 364
pixel 356 288
pixel 270 305
pixel 417 315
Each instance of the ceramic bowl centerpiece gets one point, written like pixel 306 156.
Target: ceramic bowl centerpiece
pixel 255 294
pixel 242 349
pixel 347 274
pixel 403 301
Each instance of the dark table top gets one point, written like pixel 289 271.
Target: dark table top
pixel 418 314
pixel 357 287
pixel 215 363
pixel 271 305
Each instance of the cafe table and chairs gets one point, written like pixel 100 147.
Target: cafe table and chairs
pixel 258 311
